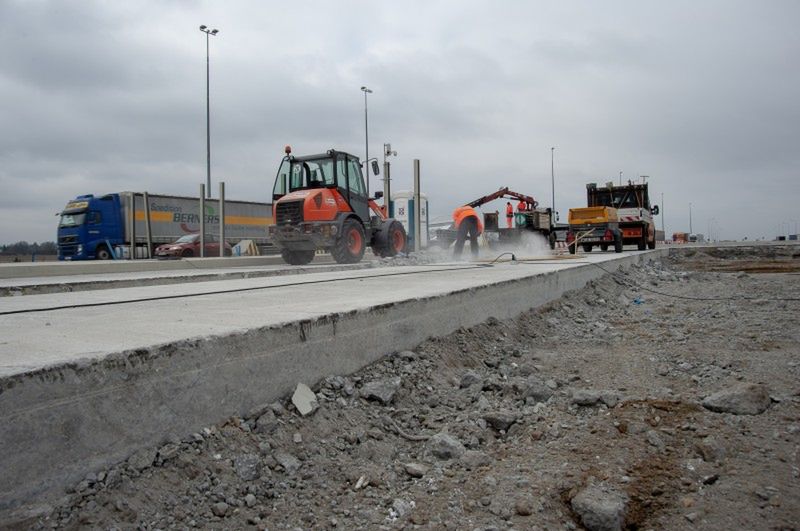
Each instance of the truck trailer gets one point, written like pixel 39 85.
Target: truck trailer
pixel 98 227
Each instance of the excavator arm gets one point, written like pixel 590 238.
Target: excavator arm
pixel 504 193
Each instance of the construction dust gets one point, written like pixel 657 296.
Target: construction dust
pixel 642 401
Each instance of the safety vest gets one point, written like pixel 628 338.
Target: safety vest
pixel 522 206
pixel 462 213
pixel 509 211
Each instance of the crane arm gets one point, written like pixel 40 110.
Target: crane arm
pixel 501 193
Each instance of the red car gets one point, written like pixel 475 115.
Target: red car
pixel 189 245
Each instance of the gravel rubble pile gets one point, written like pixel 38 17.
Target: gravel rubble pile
pixel 612 408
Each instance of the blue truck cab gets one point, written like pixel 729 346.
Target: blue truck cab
pixel 90 227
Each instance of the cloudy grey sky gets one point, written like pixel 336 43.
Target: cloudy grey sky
pixel 704 97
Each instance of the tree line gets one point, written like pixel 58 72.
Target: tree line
pixel 29 248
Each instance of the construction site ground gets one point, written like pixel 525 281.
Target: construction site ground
pixel 601 410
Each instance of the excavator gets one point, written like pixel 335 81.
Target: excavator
pixel 320 203
pixel 534 219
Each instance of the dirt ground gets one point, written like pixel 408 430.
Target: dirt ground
pixel 587 413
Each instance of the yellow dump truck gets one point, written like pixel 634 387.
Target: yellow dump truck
pixel 594 225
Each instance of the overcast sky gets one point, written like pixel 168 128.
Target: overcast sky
pixel 702 96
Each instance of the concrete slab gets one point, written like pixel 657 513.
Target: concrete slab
pixel 95 267
pixel 88 281
pixel 88 378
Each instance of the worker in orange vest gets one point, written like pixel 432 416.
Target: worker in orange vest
pixel 468 225
pixel 509 214
pixel 522 206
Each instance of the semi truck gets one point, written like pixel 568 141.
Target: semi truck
pixel 102 227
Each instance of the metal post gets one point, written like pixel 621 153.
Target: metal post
pixel 366 91
pixel 209 32
pixel 147 229
pixel 661 211
pixel 202 220
pixel 386 186
pixel 553 184
pixel 417 220
pixel 221 218
pixel 208 121
pixel 132 218
pixel 690 219
pixel 620 178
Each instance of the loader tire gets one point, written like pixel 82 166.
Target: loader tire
pixel 297 257
pixel 351 244
pixel 390 241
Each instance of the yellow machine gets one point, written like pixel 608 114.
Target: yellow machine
pixel 595 225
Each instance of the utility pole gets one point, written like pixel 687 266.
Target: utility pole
pixel 366 137
pixel 690 219
pixel 620 178
pixel 208 33
pixel 662 216
pixel 553 184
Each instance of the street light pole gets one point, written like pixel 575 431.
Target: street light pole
pixel 690 219
pixel 662 216
pixel 208 33
pixel 366 137
pixel 553 182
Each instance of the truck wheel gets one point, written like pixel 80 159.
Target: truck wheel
pixel 350 246
pixel 652 244
pixel 102 253
pixel 642 244
pixel 552 239
pixel 604 247
pixel 297 257
pixel 572 247
pixel 618 243
pixel 187 253
pixel 392 241
pixel 587 247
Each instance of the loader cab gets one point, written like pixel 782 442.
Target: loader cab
pixel 335 170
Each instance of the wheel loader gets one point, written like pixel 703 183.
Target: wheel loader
pixel 320 203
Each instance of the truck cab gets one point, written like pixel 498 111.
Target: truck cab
pixel 87 226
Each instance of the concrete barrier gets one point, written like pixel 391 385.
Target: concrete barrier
pixel 59 422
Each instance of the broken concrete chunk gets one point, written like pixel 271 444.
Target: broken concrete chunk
pixel 500 420
pixel 739 399
pixel 474 459
pixel 267 423
pixel 600 509
pixel 445 446
pixel 710 449
pixel 382 391
pixel 416 470
pixel 289 462
pixel 304 399
pixel 591 397
pixel 247 467
pixel 470 378
pixel 142 459
pixel 538 390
